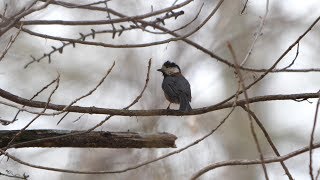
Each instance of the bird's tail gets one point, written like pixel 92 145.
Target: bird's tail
pixel 184 104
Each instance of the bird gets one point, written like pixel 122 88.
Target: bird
pixel 175 86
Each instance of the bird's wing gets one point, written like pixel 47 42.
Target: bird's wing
pixel 183 86
pixel 169 86
pixel 177 86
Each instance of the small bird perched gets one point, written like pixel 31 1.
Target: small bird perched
pixel 175 86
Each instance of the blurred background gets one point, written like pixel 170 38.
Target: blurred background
pixel 289 123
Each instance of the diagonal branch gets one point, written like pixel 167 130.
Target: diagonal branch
pixel 269 140
pixel 242 84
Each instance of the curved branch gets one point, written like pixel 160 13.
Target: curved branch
pixel 253 162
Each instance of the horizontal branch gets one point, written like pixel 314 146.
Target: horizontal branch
pixel 122 19
pixel 94 139
pixel 153 112
pixel 91 22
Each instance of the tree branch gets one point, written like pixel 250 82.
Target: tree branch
pixel 252 162
pixel 92 139
pixel 153 112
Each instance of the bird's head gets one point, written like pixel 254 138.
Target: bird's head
pixel 169 68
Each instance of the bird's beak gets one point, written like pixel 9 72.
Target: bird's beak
pixel 160 70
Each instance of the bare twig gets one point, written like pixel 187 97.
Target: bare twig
pixel 269 140
pixel 312 137
pixel 29 10
pixel 112 24
pixel 244 6
pixel 4 13
pixel 80 23
pixel 131 104
pixel 10 174
pixel 80 5
pixel 37 116
pixel 252 162
pixel 37 93
pixel 64 109
pixel 78 118
pixel 144 87
pixel 65 114
pixel 276 62
pixel 11 41
pixel 242 83
pixel 92 90
pixel 180 28
pixel 294 59
pixel 99 124
pixel 122 19
pixel 257 34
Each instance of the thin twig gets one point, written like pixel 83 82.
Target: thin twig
pixel 294 59
pixel 269 140
pixel 92 90
pixel 312 137
pixel 81 5
pixel 37 93
pixel 78 118
pixel 252 162
pixel 180 28
pixel 131 104
pixel 123 19
pixel 318 174
pixel 23 13
pixel 242 83
pixel 276 62
pixel 244 7
pixel 9 174
pixel 4 13
pixel 63 117
pixel 112 24
pixel 257 34
pixel 11 41
pixel 37 116
pixel 103 121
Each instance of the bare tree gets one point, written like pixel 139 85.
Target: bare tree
pixel 82 75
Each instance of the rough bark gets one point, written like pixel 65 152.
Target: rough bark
pixel 95 139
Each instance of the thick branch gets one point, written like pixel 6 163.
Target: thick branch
pixel 92 139
pixel 154 112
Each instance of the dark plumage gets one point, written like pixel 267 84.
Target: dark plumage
pixel 175 86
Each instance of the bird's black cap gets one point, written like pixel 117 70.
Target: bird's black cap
pixel 171 64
